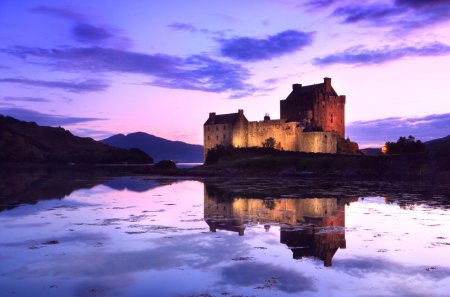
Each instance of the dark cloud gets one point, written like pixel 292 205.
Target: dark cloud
pixel 361 56
pixel 373 12
pixel 390 129
pixel 101 35
pixel 253 49
pixel 83 30
pixel 67 13
pixel 183 27
pixel 44 119
pixel 402 16
pixel 88 33
pixel 259 275
pixel 26 99
pixel 422 3
pixel 70 86
pixel 191 73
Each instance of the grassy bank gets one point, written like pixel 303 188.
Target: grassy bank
pixel 257 161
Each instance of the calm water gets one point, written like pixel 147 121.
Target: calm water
pixel 82 235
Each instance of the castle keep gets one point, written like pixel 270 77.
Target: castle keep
pixel 311 120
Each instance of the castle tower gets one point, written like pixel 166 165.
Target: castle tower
pixel 317 105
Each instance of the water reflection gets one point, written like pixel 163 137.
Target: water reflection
pixel 31 184
pixel 310 227
pixel 115 235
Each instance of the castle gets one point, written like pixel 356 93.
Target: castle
pixel 311 120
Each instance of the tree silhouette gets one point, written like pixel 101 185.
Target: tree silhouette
pixel 269 143
pixel 405 146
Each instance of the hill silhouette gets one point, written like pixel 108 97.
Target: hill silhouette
pixel 28 142
pixel 157 147
pixel 439 144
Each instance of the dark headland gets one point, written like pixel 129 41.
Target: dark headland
pixel 27 142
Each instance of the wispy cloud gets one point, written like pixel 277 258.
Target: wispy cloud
pixel 70 86
pixel 93 133
pixel 183 27
pixel 26 99
pixel 390 129
pixel 254 49
pixel 191 28
pixel 320 4
pixel 402 16
pixel 45 119
pixel 83 29
pixel 67 13
pixel 362 56
pixel 192 73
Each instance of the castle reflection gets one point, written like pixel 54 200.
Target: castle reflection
pixel 310 227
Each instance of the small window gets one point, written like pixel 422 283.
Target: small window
pixel 208 128
pixel 217 137
pixel 208 137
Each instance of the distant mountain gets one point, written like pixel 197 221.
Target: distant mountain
pixel 22 142
pixel 157 147
pixel 371 151
pixel 440 144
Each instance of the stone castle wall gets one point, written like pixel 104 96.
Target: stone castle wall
pixel 220 134
pixel 288 136
pixel 240 133
pixel 285 134
pixel 318 142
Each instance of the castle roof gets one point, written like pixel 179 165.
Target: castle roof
pixel 299 91
pixel 228 118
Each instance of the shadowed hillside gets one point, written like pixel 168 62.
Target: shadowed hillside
pixel 440 144
pixel 158 148
pixel 28 142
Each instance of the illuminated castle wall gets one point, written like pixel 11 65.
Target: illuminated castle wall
pixel 312 120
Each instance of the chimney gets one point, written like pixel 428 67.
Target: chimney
pixel 327 83
pixel 212 115
pixel 266 117
pixel 296 86
pixel 241 112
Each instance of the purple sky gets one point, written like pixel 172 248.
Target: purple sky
pixel 99 68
